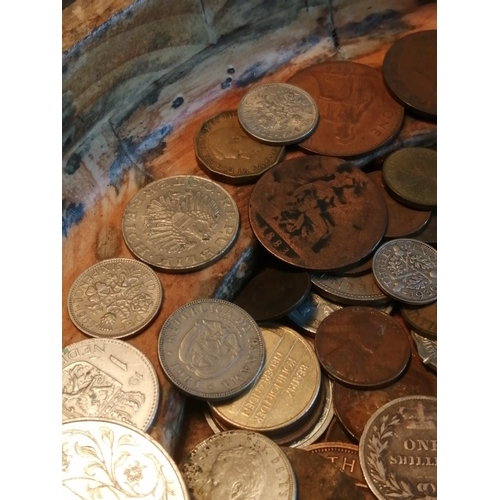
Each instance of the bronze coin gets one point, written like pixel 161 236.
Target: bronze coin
pixel 429 233
pixel 362 346
pixel 362 267
pixel 336 432
pixel 423 319
pixel 356 113
pixel 273 293
pixel 317 213
pixel 402 220
pixel 410 72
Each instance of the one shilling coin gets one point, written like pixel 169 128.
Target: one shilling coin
pixel 114 298
pixel 110 379
pixel 180 223
pixel 211 349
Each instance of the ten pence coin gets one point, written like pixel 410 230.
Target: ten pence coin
pixel 227 154
pixel 356 113
pixel 180 223
pixel 110 379
pixel 114 298
pixel 238 464
pixel 211 349
pixel 317 213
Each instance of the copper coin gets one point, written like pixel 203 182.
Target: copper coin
pixel 273 293
pixel 402 220
pixel 429 233
pixel 356 113
pixel 423 319
pixel 317 213
pixel 362 347
pixel 336 432
pixel 362 267
pixel 410 72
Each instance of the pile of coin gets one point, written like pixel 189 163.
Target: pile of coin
pixel 281 364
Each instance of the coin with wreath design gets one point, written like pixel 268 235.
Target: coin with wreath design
pixel 406 270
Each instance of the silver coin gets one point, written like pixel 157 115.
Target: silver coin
pixel 107 460
pixel 211 349
pixel 239 464
pixel 406 270
pixel 427 349
pixel 398 449
pixel 107 378
pixel 180 223
pixel 278 113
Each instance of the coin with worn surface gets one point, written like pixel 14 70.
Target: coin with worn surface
pixel 278 113
pixel 180 223
pixel 227 154
pixel 410 176
pixel 103 459
pixel 357 114
pixel 398 449
pixel 362 346
pixel 110 379
pixel 273 293
pixel 317 213
pixel 427 349
pixel 238 464
pixel 429 233
pixel 406 270
pixel 285 392
pixel 423 319
pixel 402 220
pixel 211 349
pixel 337 433
pixel 410 72
pixel 114 298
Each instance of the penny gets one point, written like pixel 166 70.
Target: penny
pixel 356 113
pixel 278 113
pixel 180 223
pixel 362 267
pixel 103 459
pixel 211 349
pixel 238 464
pixel 423 319
pixel 429 233
pixel 410 72
pixel 346 458
pixel 285 392
pixel 406 270
pixel 114 298
pixel 273 293
pixel 317 213
pixel 227 154
pixel 427 350
pixel 398 449
pixel 402 221
pixel 357 290
pixel 110 379
pixel 410 175
pixel 337 433
pixel 362 347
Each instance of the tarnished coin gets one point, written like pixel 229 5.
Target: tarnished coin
pixel 103 459
pixel 410 71
pixel 402 220
pixel 278 113
pixel 114 298
pixel 357 114
pixel 406 270
pixel 180 223
pixel 317 213
pixel 227 154
pixel 398 449
pixel 410 175
pixel 427 349
pixel 362 267
pixel 110 379
pixel 429 233
pixel 286 390
pixel 423 319
pixel 362 347
pixel 336 432
pixel 238 464
pixel 211 349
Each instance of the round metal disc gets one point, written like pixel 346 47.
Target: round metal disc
pixel 423 319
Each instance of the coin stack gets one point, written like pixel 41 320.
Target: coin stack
pixel 281 365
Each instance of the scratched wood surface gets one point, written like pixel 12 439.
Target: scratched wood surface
pixel 136 88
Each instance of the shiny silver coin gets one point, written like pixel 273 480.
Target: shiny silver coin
pixel 107 378
pixel 406 270
pixel 107 460
pixel 239 464
pixel 427 350
pixel 211 349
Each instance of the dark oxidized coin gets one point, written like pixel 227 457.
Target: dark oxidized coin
pixel 317 213
pixel 423 319
pixel 336 432
pixel 362 347
pixel 362 267
pixel 429 233
pixel 356 113
pixel 410 72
